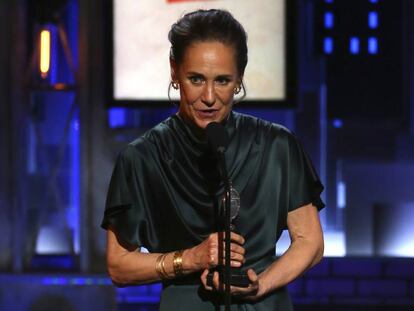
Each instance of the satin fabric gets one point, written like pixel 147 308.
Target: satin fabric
pixel 165 192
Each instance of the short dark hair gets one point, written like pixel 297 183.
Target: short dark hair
pixel 208 25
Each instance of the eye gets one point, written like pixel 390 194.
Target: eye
pixel 196 79
pixel 223 80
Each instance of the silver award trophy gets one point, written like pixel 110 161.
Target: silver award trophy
pixel 238 277
pixel 234 205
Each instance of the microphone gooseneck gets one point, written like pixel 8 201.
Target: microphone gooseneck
pixel 219 139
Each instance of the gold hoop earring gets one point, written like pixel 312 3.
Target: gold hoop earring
pixel 175 85
pixel 237 89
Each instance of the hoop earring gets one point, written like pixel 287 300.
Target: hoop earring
pixel 241 87
pixel 175 85
pixel 237 89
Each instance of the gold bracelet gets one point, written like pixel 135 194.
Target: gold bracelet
pixel 163 266
pixel 158 266
pixel 178 263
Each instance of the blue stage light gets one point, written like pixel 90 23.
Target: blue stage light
pixel 329 20
pixel 73 213
pixel 373 20
pixel 372 45
pixel 328 45
pixel 117 117
pixel 341 194
pixel 373 1
pixel 354 45
pixel 329 1
pixel 337 123
pixel 77 280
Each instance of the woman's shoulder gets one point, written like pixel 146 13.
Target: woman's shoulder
pixel 146 144
pixel 148 137
pixel 262 126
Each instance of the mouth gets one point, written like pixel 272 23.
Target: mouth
pixel 207 113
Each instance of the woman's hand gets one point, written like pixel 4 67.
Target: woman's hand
pixel 251 293
pixel 207 255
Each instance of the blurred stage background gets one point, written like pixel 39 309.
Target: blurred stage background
pixel 353 111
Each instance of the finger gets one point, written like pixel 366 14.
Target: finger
pixel 236 260
pixel 234 247
pixel 236 264
pixel 233 256
pixel 251 290
pixel 237 238
pixel 237 256
pixel 216 281
pixel 237 248
pixel 233 263
pixel 203 278
pixel 253 277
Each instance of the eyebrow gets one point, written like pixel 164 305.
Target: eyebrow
pixel 193 73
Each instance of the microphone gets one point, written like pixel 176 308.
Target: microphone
pixel 219 140
pixel 217 137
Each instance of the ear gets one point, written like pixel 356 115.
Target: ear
pixel 173 69
pixel 240 80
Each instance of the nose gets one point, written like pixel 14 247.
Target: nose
pixel 208 96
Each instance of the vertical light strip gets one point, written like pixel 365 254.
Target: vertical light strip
pixel 372 45
pixel 354 45
pixel 44 53
pixel 323 136
pixel 75 181
pixel 341 195
pixel 328 45
pixel 373 20
pixel 329 20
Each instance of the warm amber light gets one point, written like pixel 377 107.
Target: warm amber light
pixel 44 52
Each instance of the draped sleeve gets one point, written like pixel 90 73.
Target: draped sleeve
pixel 304 184
pixel 122 211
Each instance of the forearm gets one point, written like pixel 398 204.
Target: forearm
pixel 126 266
pixel 133 268
pixel 140 268
pixel 300 256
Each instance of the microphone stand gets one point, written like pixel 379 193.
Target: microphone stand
pixel 227 222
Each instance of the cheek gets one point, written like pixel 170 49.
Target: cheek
pixel 226 96
pixel 189 95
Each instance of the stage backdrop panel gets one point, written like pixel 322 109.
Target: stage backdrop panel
pixel 141 47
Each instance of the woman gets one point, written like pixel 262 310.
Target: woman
pixel 165 191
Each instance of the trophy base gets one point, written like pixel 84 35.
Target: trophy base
pixel 237 277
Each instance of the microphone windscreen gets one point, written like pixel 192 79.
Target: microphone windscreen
pixel 217 137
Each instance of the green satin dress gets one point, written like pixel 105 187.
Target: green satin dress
pixel 165 190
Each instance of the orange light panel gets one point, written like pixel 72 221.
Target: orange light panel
pixel 44 52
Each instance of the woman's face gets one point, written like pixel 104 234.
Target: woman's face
pixel 207 77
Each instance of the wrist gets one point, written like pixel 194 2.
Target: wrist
pixel 187 261
pixel 263 288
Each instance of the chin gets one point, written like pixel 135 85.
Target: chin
pixel 203 123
